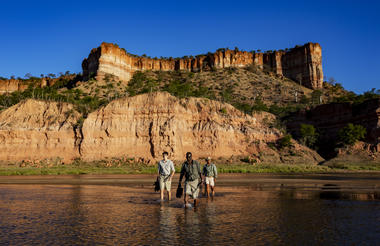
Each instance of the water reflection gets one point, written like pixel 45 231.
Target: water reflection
pixel 244 215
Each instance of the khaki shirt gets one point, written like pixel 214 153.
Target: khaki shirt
pixel 210 170
pixel 191 171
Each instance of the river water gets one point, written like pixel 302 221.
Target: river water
pixel 247 210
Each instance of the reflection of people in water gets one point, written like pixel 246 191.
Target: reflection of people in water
pixel 167 226
pixel 165 174
pixel 193 179
pixel 210 174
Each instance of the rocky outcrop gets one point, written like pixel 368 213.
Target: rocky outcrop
pixel 148 124
pixel 37 130
pixel 12 85
pixel 302 64
pixel 330 118
pixel 142 127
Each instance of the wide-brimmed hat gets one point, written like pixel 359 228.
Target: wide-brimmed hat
pixel 208 158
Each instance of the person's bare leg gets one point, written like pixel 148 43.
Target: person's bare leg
pixel 208 190
pixel 169 195
pixel 213 190
pixel 162 194
pixel 195 203
pixel 185 198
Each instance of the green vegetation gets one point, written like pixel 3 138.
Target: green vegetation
pixel 285 141
pixel 63 90
pixel 121 167
pixel 357 99
pixel 179 87
pixel 309 135
pixel 316 97
pixel 351 133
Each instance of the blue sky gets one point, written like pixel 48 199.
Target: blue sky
pixel 41 37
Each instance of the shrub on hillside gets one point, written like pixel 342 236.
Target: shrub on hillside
pixel 351 133
pixel 309 135
pixel 285 141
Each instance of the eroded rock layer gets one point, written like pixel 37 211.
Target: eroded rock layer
pixel 302 64
pixel 12 85
pixel 330 118
pixel 142 127
pixel 38 130
pixel 148 124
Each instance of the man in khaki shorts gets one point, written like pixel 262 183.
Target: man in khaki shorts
pixel 210 174
pixel 165 174
pixel 193 179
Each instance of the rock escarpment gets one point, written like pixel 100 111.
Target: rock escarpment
pixel 330 118
pixel 142 127
pixel 148 124
pixel 302 64
pixel 11 85
pixel 37 130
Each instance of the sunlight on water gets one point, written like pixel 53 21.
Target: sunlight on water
pixel 245 214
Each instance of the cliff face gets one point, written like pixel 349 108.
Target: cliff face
pixel 330 118
pixel 11 85
pixel 148 124
pixel 142 126
pixel 302 64
pixel 37 130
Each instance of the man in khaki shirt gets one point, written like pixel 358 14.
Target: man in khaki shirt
pixel 165 174
pixel 193 178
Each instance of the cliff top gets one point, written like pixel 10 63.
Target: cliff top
pixel 109 47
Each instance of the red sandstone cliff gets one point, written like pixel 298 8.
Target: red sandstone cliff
pixel 148 124
pixel 11 85
pixel 37 130
pixel 142 126
pixel 302 64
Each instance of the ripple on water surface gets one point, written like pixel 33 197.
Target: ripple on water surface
pixel 245 215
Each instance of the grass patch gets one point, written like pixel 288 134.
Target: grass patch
pixel 127 166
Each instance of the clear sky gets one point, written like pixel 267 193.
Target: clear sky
pixel 41 37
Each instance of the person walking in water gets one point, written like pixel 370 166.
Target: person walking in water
pixel 165 174
pixel 210 174
pixel 193 179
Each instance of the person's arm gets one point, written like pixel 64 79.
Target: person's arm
pixel 172 169
pixel 215 172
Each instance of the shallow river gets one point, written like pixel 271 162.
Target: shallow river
pixel 247 210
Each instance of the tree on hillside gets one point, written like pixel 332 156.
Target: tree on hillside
pixel 285 141
pixel 351 133
pixel 309 135
pixel 316 97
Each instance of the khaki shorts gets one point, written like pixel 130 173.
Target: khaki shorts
pixel 210 181
pixel 165 183
pixel 192 188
